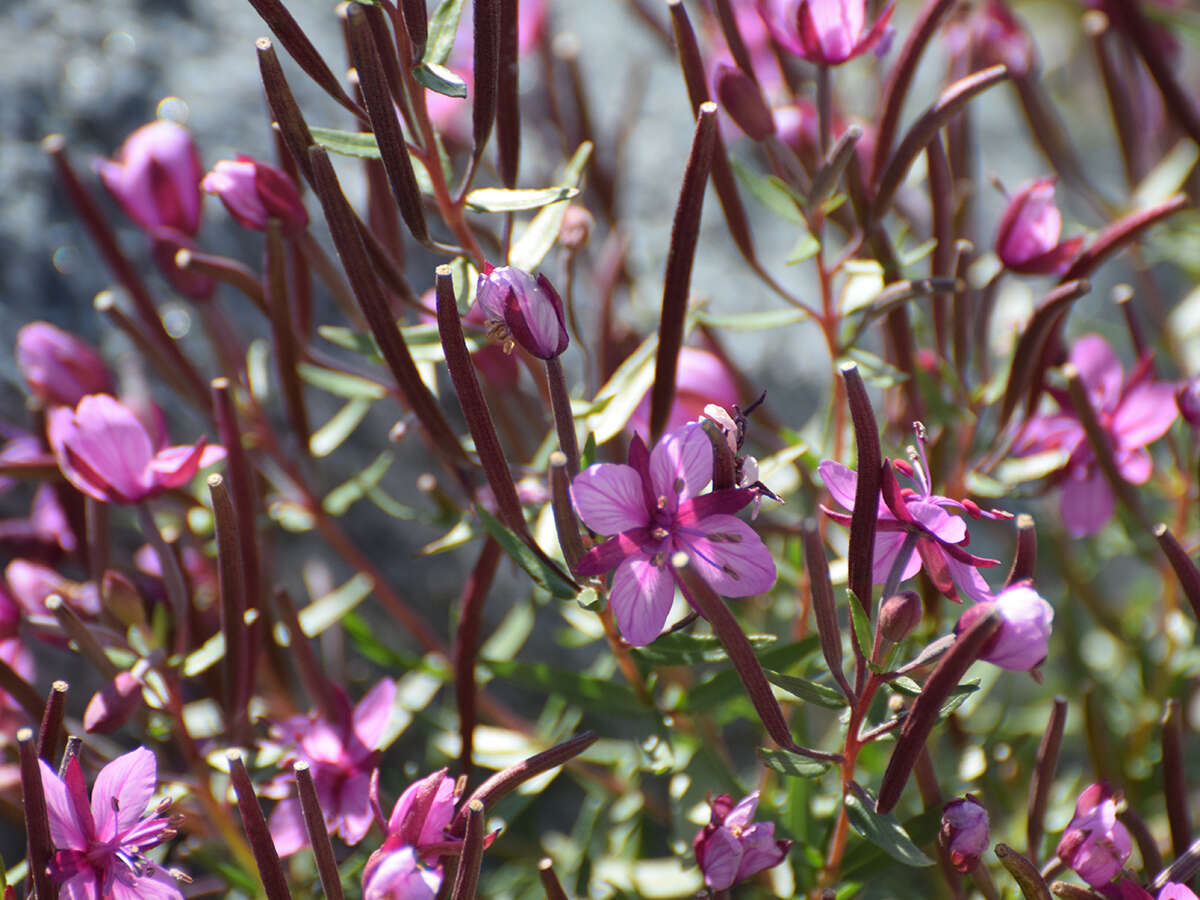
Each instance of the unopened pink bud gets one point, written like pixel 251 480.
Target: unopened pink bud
pixel 156 177
pixel 113 705
pixel 254 192
pixel 1027 240
pixel 899 615
pixel 59 369
pixel 523 310
pixel 964 832
pixel 1187 398
pixel 741 98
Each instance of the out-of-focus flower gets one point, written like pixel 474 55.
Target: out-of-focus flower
pixel 1173 890
pixel 655 509
pixel 964 832
pixel 31 583
pixel 342 756
pixel 105 452
pixel 732 846
pixel 101 846
pixel 15 653
pixel 701 378
pixel 1020 643
pixel 1028 238
pixel 59 369
pixel 742 99
pixel 827 32
pixel 1133 414
pixel 156 177
pixel 940 547
pixel 521 309
pixel 399 874
pixel 1187 399
pixel 990 34
pixel 254 192
pixel 1095 845
pixel 113 705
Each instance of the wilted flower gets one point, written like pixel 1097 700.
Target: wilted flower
pixel 1095 845
pixel 101 846
pixel 254 192
pixel 342 755
pixel 964 832
pixel 105 452
pixel 156 177
pixel 827 32
pixel 1020 643
pixel 701 378
pixel 732 847
pixel 1027 240
pixel 59 369
pixel 654 507
pixel 523 310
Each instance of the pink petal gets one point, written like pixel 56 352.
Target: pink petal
pixel 1145 414
pixel 949 528
pixel 681 464
pixel 83 886
pixel 175 466
pixel 641 599
pixel 354 808
pixel 1087 504
pixel 286 825
pixel 760 850
pixel 743 814
pixel 373 712
pixel 887 548
pixel 102 449
pixel 968 580
pixel 1099 369
pixel 1173 890
pixel 722 857
pixel 1135 466
pixel 154 885
pixel 121 792
pixel 730 556
pixel 609 498
pixel 840 481
pixel 65 830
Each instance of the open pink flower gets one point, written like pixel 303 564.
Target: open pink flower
pixel 826 32
pixel 342 756
pixel 1027 239
pixel 101 846
pixel 1133 414
pixel 655 509
pixel 1021 642
pixel 59 369
pixel 732 846
pixel 156 177
pixel 107 453
pixel 1095 845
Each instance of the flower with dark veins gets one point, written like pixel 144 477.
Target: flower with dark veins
pixel 521 309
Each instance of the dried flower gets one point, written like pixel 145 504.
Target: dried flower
pixel 655 509
pixel 1027 240
pixel 827 32
pixel 523 310
pixel 254 192
pixel 1020 644
pixel 1095 845
pixel 156 178
pixel 964 832
pixel 732 847
pixel 59 369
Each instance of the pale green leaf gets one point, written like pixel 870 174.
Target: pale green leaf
pixel 502 200
pixel 327 611
pixel 531 247
pixel 333 433
pixel 440 80
pixel 443 29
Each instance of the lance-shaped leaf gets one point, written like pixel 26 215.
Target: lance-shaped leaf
pixel 792 764
pixel 503 200
pixel 1024 873
pixel 884 832
pixel 1118 234
pixel 893 297
pixel 925 129
pixel 393 149
pixel 919 722
pixel 685 232
pixel 1044 765
pixel 861 555
pixel 820 586
pixel 442 29
pixel 826 178
pixel 440 80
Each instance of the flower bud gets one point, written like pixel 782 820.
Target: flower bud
pixel 1187 398
pixel 1027 240
pixel 741 98
pixel 59 369
pixel 964 832
pixel 576 227
pixel 254 192
pixel 899 615
pixel 523 310
pixel 156 177
pixel 1020 644
pixel 1095 845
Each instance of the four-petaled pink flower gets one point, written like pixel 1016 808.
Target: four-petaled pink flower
pixel 156 178
pixel 254 192
pixel 655 509
pixel 1095 845
pixel 1027 240
pixel 342 755
pixel 59 369
pixel 521 309
pixel 107 453
pixel 1132 413
pixel 732 847
pixel 101 846
pixel 827 32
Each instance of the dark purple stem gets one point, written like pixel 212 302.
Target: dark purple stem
pixel 270 870
pixel 466 647
pixel 318 833
pixel 565 523
pixel 238 676
pixel 51 733
pixel 1044 765
pixel 466 877
pixel 824 608
pixel 508 103
pixel 287 354
pixel 1025 559
pixel 1174 778
pixel 37 819
pixel 866 492
pixel 550 883
pixel 1181 562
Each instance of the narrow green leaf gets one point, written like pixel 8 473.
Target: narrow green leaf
pixel 680 649
pixel 617 400
pixel 805 248
pixel 333 433
pixel 501 200
pixel 810 691
pixel 455 537
pixel 389 505
pixel 443 29
pixel 885 833
pixel 537 569
pixel 349 339
pixel 341 384
pixel 531 247
pixel 465 278
pixel 342 497
pixel 440 80
pixel 205 657
pixel 359 144
pixel 332 608
pixel 291 516
pixel 864 635
pixel 771 192
pixel 601 695
pixel 752 321
pixel 788 763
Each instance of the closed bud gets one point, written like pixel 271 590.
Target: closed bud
pixel 254 192
pixel 59 369
pixel 521 309
pixel 899 616
pixel 576 227
pixel 964 832
pixel 742 99
pixel 156 177
pixel 1027 239
pixel 1187 398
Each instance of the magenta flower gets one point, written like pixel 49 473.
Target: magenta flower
pixel 827 32
pixel 1173 890
pixel 342 756
pixel 254 192
pixel 1095 845
pixel 732 847
pixel 101 847
pixel 105 452
pixel 941 537
pixel 701 378
pixel 59 369
pixel 655 509
pixel 1021 642
pixel 964 832
pixel 1027 240
pixel 523 310
pixel 156 178
pixel 399 874
pixel 1133 414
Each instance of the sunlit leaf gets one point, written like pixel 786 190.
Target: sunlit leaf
pixel 809 691
pixel 333 433
pixel 532 244
pixel 442 30
pixel 534 565
pixel 497 200
pixel 440 80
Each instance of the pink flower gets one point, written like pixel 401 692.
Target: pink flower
pixel 59 369
pixel 342 756
pixel 654 507
pixel 1021 642
pixel 399 874
pixel 964 832
pixel 156 177
pixel 1172 890
pixel 1095 845
pixel 32 583
pixel 732 847
pixel 827 32
pixel 1133 414
pixel 254 192
pixel 1027 240
pixel 105 452
pixel 101 846
pixel 701 378
pixel 523 310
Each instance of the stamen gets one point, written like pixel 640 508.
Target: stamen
pixel 660 533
